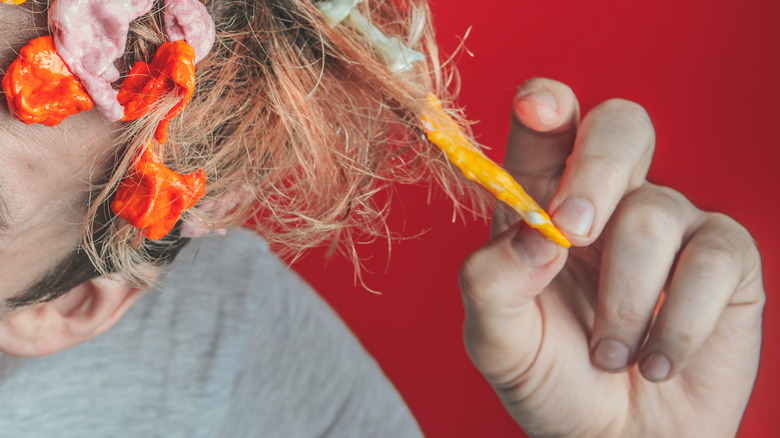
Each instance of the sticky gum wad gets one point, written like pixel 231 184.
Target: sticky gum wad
pixel 172 71
pixel 39 87
pixel 445 134
pixel 153 197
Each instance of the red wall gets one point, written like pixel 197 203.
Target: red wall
pixel 706 70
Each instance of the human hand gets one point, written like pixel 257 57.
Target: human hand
pixel 568 339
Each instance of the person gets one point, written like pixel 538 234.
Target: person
pixel 236 346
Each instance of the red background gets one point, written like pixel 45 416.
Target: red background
pixel 707 71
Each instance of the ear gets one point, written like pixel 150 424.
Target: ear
pixel 85 312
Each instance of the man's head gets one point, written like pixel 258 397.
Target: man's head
pixel 301 114
pixel 46 178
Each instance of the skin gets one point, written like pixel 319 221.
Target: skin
pixel 560 334
pixel 45 176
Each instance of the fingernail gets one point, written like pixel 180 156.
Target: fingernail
pixel 611 355
pixel 655 367
pixel 533 248
pixel 537 106
pixel 575 217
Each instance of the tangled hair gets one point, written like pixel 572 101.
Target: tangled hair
pixel 300 119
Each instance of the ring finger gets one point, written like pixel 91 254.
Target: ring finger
pixel 640 245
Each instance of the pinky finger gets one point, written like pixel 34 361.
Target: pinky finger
pixel 710 269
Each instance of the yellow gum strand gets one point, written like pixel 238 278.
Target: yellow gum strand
pixel 443 132
pixel 13 2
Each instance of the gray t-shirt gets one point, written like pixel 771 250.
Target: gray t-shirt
pixel 233 345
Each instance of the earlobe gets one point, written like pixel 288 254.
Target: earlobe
pixel 85 312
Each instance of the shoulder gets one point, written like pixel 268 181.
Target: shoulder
pixel 237 277
pixel 301 368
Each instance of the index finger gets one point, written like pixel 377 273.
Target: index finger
pixel 544 123
pixel 545 118
pixel 611 157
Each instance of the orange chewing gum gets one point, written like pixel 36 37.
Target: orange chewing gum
pixel 172 70
pixel 445 134
pixel 153 197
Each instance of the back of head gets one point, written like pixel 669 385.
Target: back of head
pixel 296 121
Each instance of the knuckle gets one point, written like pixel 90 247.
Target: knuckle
pixel 685 337
pixel 621 317
pixel 468 276
pixel 727 222
pixel 713 258
pixel 735 234
pixel 663 196
pixel 653 213
pixel 480 271
pixel 484 285
pixel 731 244
pixel 726 239
pixel 645 221
pixel 735 243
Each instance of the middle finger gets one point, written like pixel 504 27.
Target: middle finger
pixel 611 156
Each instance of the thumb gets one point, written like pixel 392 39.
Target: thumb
pixel 503 326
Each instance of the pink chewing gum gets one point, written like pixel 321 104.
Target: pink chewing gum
pixel 189 21
pixel 90 35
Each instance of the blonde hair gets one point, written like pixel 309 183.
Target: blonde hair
pixel 302 115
